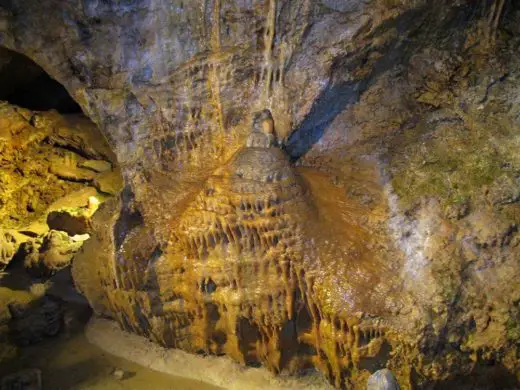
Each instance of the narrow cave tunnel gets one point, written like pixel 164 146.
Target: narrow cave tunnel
pixel 26 84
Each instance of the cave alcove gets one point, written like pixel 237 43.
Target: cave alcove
pixel 26 84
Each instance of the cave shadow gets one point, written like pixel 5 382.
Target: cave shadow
pixel 483 377
pixel 339 94
pixel 25 84
pixel 15 277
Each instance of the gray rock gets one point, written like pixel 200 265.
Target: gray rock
pixel 504 190
pixel 382 380
pixel 99 166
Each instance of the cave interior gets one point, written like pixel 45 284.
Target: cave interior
pixel 266 194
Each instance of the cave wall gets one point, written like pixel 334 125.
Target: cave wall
pixel 175 101
pixel 366 92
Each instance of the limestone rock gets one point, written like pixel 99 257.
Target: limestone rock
pixel 54 253
pixel 35 170
pixel 72 173
pixel 72 221
pixel 98 166
pixel 382 380
pixel 457 210
pixel 504 190
pixel 207 252
pixel 489 228
pixel 109 182
pixel 8 248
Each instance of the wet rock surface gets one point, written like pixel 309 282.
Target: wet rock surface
pixel 8 248
pixel 382 380
pixel 54 252
pixel 382 233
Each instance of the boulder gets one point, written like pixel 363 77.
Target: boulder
pixel 35 321
pixel 8 248
pixel 98 166
pixel 71 220
pixel 30 379
pixel 382 380
pixel 55 252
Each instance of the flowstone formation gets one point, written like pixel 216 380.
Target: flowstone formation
pixel 241 274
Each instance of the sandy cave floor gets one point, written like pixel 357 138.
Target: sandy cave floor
pixel 73 363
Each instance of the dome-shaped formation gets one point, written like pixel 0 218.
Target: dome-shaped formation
pixel 241 276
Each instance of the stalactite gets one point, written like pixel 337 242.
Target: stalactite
pixel 214 78
pixel 270 32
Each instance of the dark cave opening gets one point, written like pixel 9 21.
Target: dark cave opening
pixel 26 84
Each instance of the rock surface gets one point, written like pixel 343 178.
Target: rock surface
pixel 387 238
pixel 31 323
pixel 53 253
pixel 8 248
pixel 40 158
pixel 382 380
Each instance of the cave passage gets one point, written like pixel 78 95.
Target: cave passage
pixel 26 84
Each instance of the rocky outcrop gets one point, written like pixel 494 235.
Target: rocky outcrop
pixel 8 248
pixel 31 323
pixel 385 232
pixel 41 154
pixel 53 253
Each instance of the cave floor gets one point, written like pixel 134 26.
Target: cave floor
pixel 71 362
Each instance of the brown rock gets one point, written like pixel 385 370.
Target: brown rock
pixel 73 173
pixel 208 253
pixel 8 248
pixel 98 166
pixel 109 182
pixel 54 253
pixel 72 221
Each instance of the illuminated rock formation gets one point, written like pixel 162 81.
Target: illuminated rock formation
pixel 239 276
pixel 394 241
pixel 53 253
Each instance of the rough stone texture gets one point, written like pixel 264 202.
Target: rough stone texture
pixel 40 154
pixel 8 247
pixel 54 252
pixel 70 220
pixel 382 380
pixel 401 252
